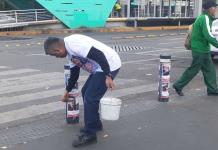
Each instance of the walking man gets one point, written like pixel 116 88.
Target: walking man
pixel 200 45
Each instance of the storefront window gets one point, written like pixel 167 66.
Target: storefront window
pixel 156 8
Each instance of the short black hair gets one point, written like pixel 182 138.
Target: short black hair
pixel 49 43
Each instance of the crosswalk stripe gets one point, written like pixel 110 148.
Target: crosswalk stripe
pixel 48 93
pixel 3 67
pixel 30 97
pixel 13 81
pixel 36 110
pixel 31 86
pixel 17 71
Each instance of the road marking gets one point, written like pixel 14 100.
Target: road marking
pixel 3 67
pixel 140 36
pixel 169 43
pixel 163 34
pixel 152 35
pixel 129 37
pixel 153 51
pixel 116 38
pixel 49 93
pixel 40 54
pixel 31 86
pixel 30 82
pixel 17 71
pixel 36 110
pixel 29 79
pixel 30 97
pixel 137 61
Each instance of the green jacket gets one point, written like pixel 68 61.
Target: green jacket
pixel 201 34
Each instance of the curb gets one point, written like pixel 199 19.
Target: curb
pixel 102 30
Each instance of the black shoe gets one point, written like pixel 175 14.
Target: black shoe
pixel 179 92
pixel 213 94
pixel 84 139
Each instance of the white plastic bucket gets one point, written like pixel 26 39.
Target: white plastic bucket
pixel 110 108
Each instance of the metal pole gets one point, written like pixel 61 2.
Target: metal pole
pixel 197 7
pixel 128 9
pixel 36 15
pixel 186 2
pixel 15 13
pixel 155 4
pixel 148 9
pixel 169 8
pixel 161 5
pixel 138 8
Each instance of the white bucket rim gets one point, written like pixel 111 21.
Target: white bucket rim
pixel 111 101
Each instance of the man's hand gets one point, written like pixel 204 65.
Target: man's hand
pixel 109 83
pixel 65 97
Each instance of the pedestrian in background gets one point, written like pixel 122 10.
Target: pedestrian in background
pixel 103 64
pixel 117 8
pixel 201 56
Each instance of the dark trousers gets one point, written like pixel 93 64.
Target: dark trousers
pixel 92 92
pixel 204 63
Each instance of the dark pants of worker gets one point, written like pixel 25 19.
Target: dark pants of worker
pixel 203 62
pixel 92 92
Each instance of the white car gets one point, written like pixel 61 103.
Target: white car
pixel 214 50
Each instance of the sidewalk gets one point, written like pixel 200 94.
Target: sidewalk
pixel 112 29
pixel 184 123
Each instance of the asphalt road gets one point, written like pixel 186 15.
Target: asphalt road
pixel 32 117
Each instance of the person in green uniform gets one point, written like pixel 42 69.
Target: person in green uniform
pixel 200 45
pixel 117 8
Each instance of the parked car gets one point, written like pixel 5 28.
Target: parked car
pixel 214 50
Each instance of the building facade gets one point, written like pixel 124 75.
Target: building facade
pixel 160 8
pixel 131 8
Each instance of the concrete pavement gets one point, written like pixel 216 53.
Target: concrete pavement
pixel 31 116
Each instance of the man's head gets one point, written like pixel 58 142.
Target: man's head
pixel 55 47
pixel 210 6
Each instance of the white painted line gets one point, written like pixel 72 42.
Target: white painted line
pixel 40 54
pixel 133 90
pixel 3 67
pixel 116 38
pixel 163 34
pixel 36 110
pixel 175 39
pixel 31 111
pixel 17 71
pixel 48 93
pixel 153 51
pixel 129 37
pixel 170 43
pixel 170 52
pixel 29 79
pixel 30 82
pixel 140 36
pixel 30 97
pixel 31 86
pixel 180 47
pixel 138 61
pixel 152 35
